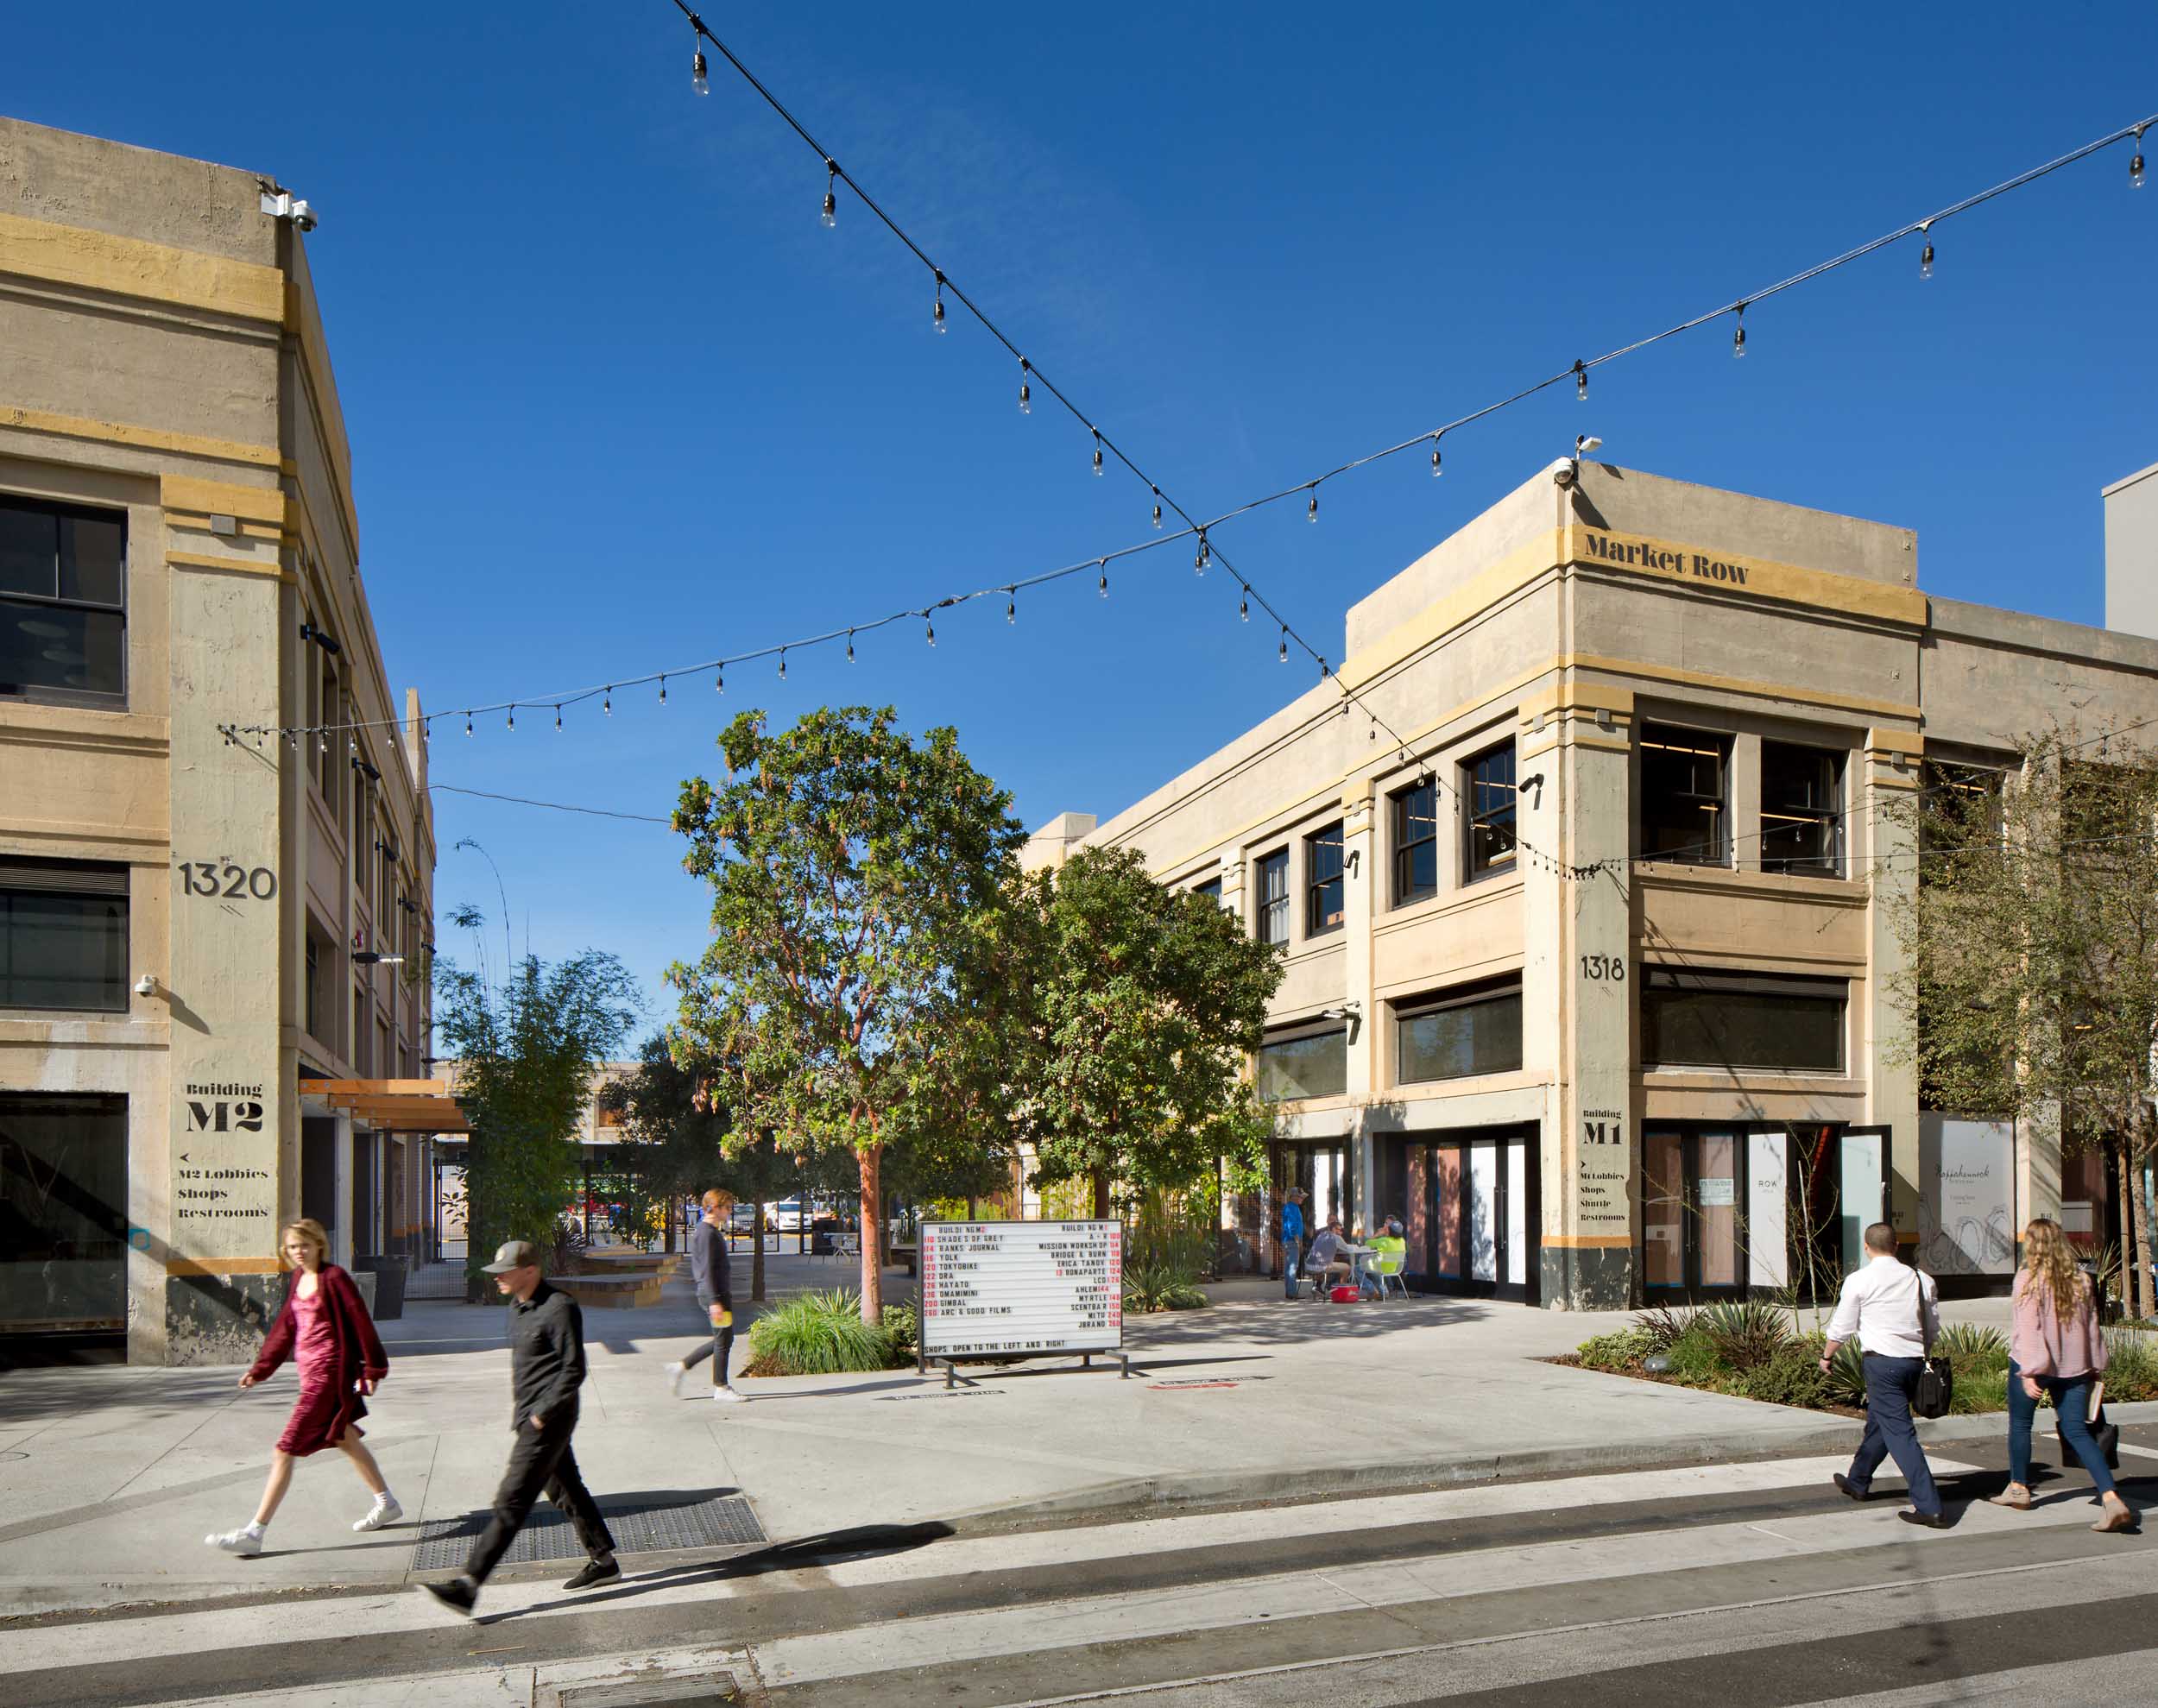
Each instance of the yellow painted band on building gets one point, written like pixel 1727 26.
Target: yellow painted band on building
pixel 209 560
pixel 1909 742
pixel 1590 1242
pixel 1738 685
pixel 186 495
pixel 131 266
pixel 1590 696
pixel 1507 577
pixel 215 1266
pixel 1703 570
pixel 143 438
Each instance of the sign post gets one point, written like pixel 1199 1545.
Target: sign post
pixel 1011 1290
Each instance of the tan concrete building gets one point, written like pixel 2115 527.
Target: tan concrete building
pixel 1586 976
pixel 191 930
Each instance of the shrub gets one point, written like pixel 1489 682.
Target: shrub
pixel 1694 1359
pixel 2131 1367
pixel 1790 1375
pixel 1973 1349
pixel 1744 1334
pixel 1846 1377
pixel 902 1325
pixel 1621 1352
pixel 1666 1325
pixel 817 1334
pixel 1151 1287
pixel 1979 1390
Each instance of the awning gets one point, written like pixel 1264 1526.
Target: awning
pixel 403 1106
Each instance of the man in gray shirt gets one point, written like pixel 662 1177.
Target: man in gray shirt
pixel 715 1299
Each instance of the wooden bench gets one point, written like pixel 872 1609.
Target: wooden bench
pixel 909 1255
pixel 609 1292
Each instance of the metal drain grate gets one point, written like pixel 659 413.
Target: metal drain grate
pixel 639 1523
pixel 712 1692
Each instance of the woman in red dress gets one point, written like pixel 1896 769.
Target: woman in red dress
pixel 323 1326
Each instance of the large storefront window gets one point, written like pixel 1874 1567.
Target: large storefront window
pixel 1303 1064
pixel 1693 1186
pixel 63 1214
pixel 63 936
pixel 1459 1035
pixel 1468 1211
pixel 1699 1019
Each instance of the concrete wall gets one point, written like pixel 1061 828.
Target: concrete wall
pixel 2131 553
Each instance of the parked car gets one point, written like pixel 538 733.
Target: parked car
pixel 786 1215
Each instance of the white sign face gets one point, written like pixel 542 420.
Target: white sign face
pixel 1718 1191
pixel 1966 1196
pixel 1021 1287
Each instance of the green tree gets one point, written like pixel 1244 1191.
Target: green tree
pixel 1143 1003
pixel 856 877
pixel 2031 940
pixel 526 1052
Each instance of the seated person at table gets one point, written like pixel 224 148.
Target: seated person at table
pixel 1385 1247
pixel 1324 1261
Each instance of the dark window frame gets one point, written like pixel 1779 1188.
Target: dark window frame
pixel 1317 880
pixel 1485 991
pixel 1482 815
pixel 1668 738
pixel 1211 890
pixel 1267 910
pixel 1300 1032
pixel 61 511
pixel 1715 982
pixel 54 878
pixel 1828 819
pixel 1406 847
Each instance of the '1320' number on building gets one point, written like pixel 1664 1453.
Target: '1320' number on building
pixel 210 878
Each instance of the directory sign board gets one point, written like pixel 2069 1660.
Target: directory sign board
pixel 1021 1289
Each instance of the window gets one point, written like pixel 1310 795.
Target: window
pixel 1273 896
pixel 1211 890
pixel 63 936
pixel 1685 800
pixel 332 714
pixel 2103 807
pixel 63 1213
pixel 321 992
pixel 1458 1035
pixel 1801 803
pixel 1303 1063
pixel 1322 881
pixel 1491 812
pixel 1415 821
pixel 63 606
pixel 307 669
pixel 1959 812
pixel 361 1033
pixel 1691 1020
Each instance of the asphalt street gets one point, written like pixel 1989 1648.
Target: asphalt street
pixel 1744 1582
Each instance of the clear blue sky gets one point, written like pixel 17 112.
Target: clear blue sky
pixel 617 401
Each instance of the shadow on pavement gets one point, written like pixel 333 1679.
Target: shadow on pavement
pixel 1282 1324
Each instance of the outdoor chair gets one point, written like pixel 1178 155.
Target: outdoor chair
pixel 1386 1266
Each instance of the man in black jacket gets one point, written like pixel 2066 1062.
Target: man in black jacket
pixel 547 1367
pixel 714 1299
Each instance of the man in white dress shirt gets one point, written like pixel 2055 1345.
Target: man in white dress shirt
pixel 1890 1306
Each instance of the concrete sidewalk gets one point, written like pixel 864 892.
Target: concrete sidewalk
pixel 112 1476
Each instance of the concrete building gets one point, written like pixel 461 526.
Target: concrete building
pixel 1586 977
pixel 196 937
pixel 2131 553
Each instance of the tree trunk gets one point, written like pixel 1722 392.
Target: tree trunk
pixel 873 1236
pixel 756 1253
pixel 2134 1299
pixel 2140 1216
pixel 1100 1195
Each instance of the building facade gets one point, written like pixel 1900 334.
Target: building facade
pixel 1586 932
pixel 191 929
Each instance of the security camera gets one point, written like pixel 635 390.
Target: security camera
pixel 303 216
pixel 1562 472
pixel 146 985
pixel 283 204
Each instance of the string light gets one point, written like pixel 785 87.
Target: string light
pixel 1739 334
pixel 1203 556
pixel 1438 468
pixel 607 705
pixel 719 679
pixel 1311 510
pixel 1581 379
pixel 831 215
pixel 1011 605
pixel 851 645
pixel 513 719
pixel 1156 506
pixel 1097 451
pixel 1102 564
pixel 937 315
pixel 1026 392
pixel 467 723
pixel 557 717
pixel 1925 254
pixel 1244 606
pixel 929 629
pixel 782 664
pixel 698 79
pixel 2136 166
pixel 1283 654
pixel 663 690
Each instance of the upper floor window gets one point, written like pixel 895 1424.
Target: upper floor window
pixel 331 715
pixel 1960 811
pixel 63 936
pixel 1491 811
pixel 1703 1019
pixel 1302 1061
pixel 1802 808
pixel 1685 794
pixel 1415 838
pixel 63 602
pixel 1211 890
pixel 1460 1034
pixel 1322 891
pixel 1273 896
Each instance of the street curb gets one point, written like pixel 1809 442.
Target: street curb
pixel 1144 1497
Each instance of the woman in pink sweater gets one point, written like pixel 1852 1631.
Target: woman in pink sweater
pixel 2056 1348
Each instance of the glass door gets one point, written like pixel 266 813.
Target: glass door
pixel 1482 1210
pixel 1693 1233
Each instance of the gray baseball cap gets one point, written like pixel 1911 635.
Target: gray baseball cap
pixel 514 1254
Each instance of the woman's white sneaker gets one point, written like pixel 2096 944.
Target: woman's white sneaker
pixel 675 1373
pixel 727 1397
pixel 245 1542
pixel 384 1511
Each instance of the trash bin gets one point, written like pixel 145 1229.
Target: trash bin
pixel 388 1276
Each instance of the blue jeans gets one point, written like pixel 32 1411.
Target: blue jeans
pixel 2071 1396
pixel 1890 1432
pixel 1291 1251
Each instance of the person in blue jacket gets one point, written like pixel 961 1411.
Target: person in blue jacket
pixel 1291 1237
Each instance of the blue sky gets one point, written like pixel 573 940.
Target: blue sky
pixel 618 402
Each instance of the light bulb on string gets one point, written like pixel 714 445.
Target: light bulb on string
pixel 1010 605
pixel 1102 565
pixel 1311 510
pixel 2136 166
pixel 1925 254
pixel 467 723
pixel 1158 507
pixel 938 314
pixel 513 719
pixel 1244 606
pixel 1026 392
pixel 929 629
pixel 851 645
pixel 1438 468
pixel 1581 379
pixel 1738 335
pixel 1283 654
pixel 699 80
pixel 557 717
pixel 607 701
pixel 782 664
pixel 1097 451
pixel 1202 556
pixel 663 690
pixel 830 217
pixel 719 678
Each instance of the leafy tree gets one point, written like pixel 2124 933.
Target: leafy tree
pixel 2032 942
pixel 1143 1003
pixel 856 877
pixel 526 1052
